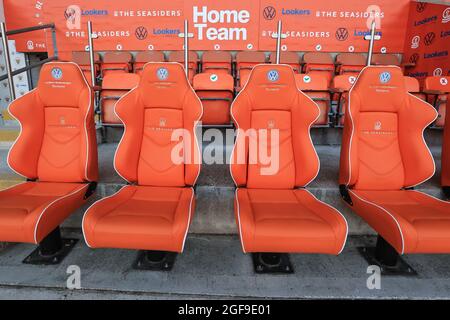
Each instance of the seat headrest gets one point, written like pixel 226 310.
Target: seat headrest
pixel 435 83
pixel 272 86
pixel 412 84
pixel 60 84
pixel 343 82
pixel 150 56
pixel 165 82
pixel 380 89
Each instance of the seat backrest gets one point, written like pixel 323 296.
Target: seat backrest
pixel 162 105
pixel 271 103
pixel 249 58
pixel 343 82
pixel 438 84
pixel 317 58
pixel 216 61
pixel 311 82
pixel 178 56
pixel 57 141
pixel 149 56
pixel 116 61
pixel 213 82
pixel 82 58
pixel 385 59
pixel 383 147
pixel 287 57
pixel 351 59
pixel 412 84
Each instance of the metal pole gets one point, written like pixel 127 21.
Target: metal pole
pixel 186 47
pixel 91 53
pixel 372 40
pixel 279 41
pixel 8 62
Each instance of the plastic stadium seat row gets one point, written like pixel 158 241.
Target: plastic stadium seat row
pixel 436 90
pixel 275 213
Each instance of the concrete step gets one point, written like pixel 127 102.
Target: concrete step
pixel 215 267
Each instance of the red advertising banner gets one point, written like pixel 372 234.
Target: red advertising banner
pixel 325 25
pixel 334 26
pixel 427 42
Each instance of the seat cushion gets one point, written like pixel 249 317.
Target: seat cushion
pixel 31 210
pixel 288 221
pixel 411 221
pixel 141 218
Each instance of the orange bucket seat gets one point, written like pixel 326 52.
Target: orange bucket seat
pixel 383 156
pixel 154 210
pixel 274 212
pixel 216 93
pixel 56 152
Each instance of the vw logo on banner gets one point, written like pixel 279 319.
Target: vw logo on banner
pixel 57 73
pixel 385 77
pixel 273 75
pixel 162 73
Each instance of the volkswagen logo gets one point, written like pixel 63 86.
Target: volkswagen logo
pixel 57 73
pixel 385 77
pixel 429 38
pixel 341 34
pixel 421 6
pixel 414 58
pixel 162 73
pixel 273 75
pixel 141 33
pixel 269 13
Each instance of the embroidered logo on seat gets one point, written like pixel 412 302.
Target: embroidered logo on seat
pixel 62 120
pixel 162 74
pixel 377 126
pixel 273 75
pixel 162 122
pixel 57 73
pixel 385 77
pixel 271 124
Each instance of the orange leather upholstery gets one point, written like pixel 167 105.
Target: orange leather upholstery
pixel 319 63
pixel 350 63
pixel 245 61
pixel 56 147
pixel 216 62
pixel 82 59
pixel 287 57
pixel 272 215
pixel 143 57
pixel 117 61
pixel 115 86
pixel 437 88
pixel 155 212
pixel 178 56
pixel 445 176
pixel 216 93
pixel 383 153
pixel 315 86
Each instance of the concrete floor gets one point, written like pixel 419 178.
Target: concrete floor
pixel 215 267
